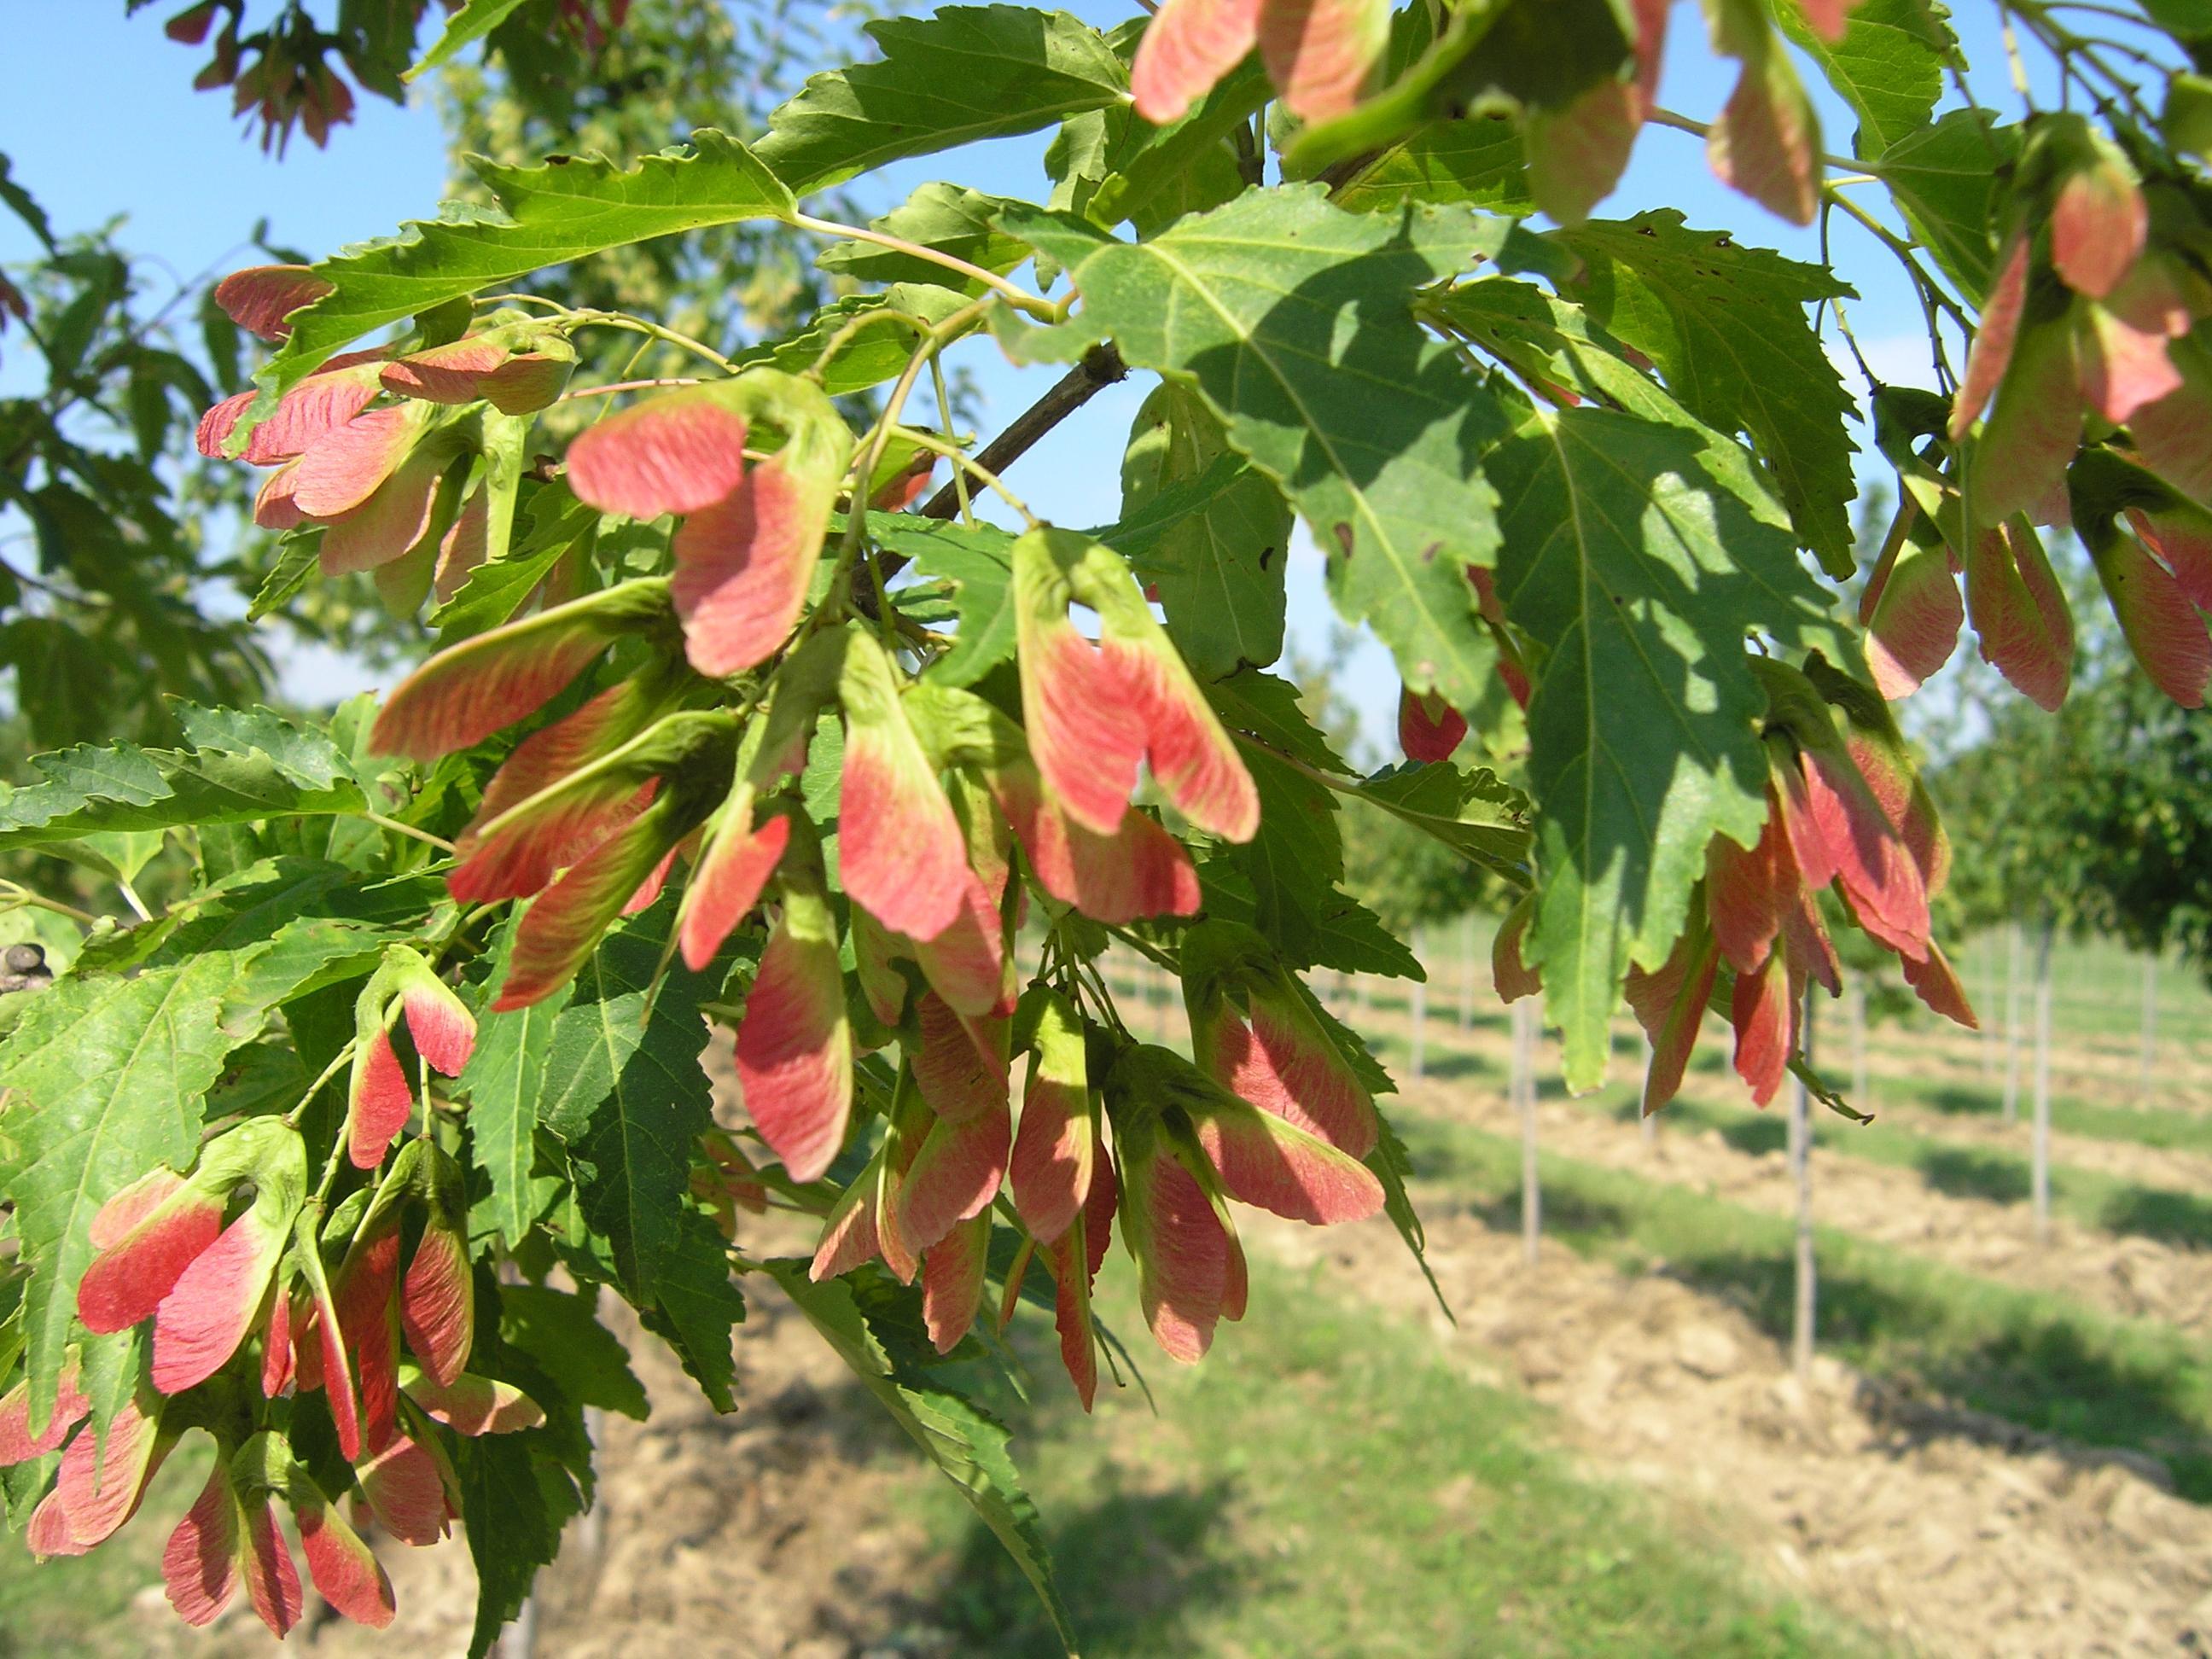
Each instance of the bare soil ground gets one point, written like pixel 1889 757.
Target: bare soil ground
pixel 1952 1533
pixel 2138 1278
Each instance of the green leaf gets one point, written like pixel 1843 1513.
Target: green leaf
pixel 1210 532
pixel 475 20
pixel 979 561
pixel 869 356
pixel 963 73
pixel 1726 325
pixel 698 1305
pixel 1888 67
pixel 111 1074
pixel 1482 819
pixel 503 1081
pixel 514 1503
pixel 1944 180
pixel 297 555
pixel 950 218
pixel 551 214
pixel 1293 320
pixel 625 1093
pixel 254 765
pixel 1151 176
pixel 1639 576
pixel 1392 1165
pixel 1268 707
pixel 496 589
pixel 1477 159
pixel 962 1439
pixel 561 1331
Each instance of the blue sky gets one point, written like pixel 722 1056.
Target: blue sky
pixel 130 138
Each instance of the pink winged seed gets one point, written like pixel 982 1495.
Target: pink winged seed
pixel 272 1582
pixel 679 453
pixel 213 1307
pixel 1188 46
pixel 960 1075
pixel 1055 1155
pixel 743 564
pixel 100 1485
pixel 463 696
pixel 1191 1277
pixel 2162 629
pixel 952 1282
pixel 1916 620
pixel 1760 1010
pixel 1193 758
pixel 364 1310
pixel 126 1282
pixel 262 298
pixel 199 1563
pixel 2182 539
pixel 346 1571
pixel 389 524
pixel 437 1308
pixel 900 847
pixel 1266 1162
pixel 2098 224
pixel 1320 53
pixel 116 1218
pixel 1282 1064
pixel 954 1176
pixel 1670 1005
pixel 966 963
pixel 444 1030
pixel 1139 870
pixel 17 1443
pixel 381 1104
pixel 2020 615
pixel 726 885
pixel 565 921
pixel 1748 893
pixel 344 467
pixel 1429 728
pixel 405 1491
pixel 1991 351
pixel 343 388
pixel 1764 143
pixel 473 1405
pixel 848 1237
pixel 793 1058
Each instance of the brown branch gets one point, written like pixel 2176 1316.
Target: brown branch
pixel 1102 367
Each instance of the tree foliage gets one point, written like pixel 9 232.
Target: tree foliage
pixel 727 749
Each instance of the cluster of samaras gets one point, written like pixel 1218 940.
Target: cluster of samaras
pixel 2086 335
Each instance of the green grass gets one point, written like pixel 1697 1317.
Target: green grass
pixel 2037 1359
pixel 1325 1485
pixel 77 1608
pixel 2089 1196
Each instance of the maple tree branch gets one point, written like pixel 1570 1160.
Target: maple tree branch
pixel 1102 367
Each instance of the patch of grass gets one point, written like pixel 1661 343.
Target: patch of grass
pixel 2037 1359
pixel 1325 1485
pixel 2146 1126
pixel 78 1607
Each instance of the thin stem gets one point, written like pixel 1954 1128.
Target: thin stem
pixel 610 389
pixel 1897 245
pixel 1667 118
pixel 1102 367
pixel 655 330
pixel 1020 297
pixel 963 463
pixel 945 420
pixel 19 896
pixel 343 1056
pixel 864 470
pixel 399 828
